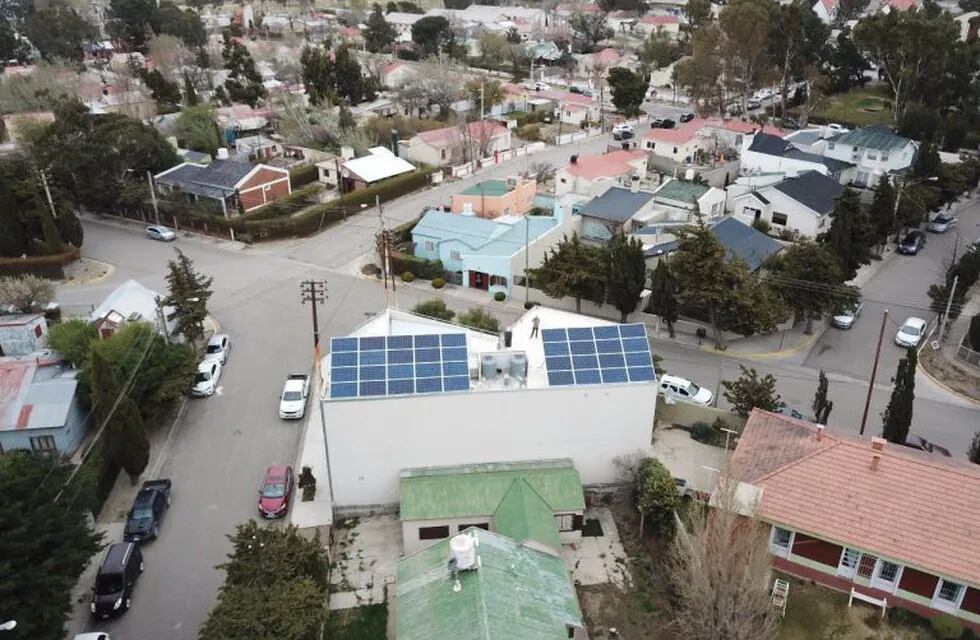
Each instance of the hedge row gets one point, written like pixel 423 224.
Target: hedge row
pixel 420 267
pixel 303 174
pixel 51 266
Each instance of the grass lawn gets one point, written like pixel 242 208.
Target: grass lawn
pixel 859 107
pixel 359 623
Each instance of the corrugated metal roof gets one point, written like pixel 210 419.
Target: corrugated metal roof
pixel 744 242
pixel 214 180
pixel 524 515
pixel 483 236
pixel 877 136
pixel 518 593
pixel 681 190
pixel 49 403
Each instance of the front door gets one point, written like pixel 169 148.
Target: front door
pixel 479 280
pixel 848 563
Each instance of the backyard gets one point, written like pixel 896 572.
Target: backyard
pixel 858 107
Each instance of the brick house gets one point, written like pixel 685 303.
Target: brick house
pixel 861 514
pixel 237 187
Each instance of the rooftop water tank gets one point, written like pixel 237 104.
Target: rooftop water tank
pixel 488 366
pixel 518 366
pixel 463 550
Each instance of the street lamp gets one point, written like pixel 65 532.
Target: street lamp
pixel 9 625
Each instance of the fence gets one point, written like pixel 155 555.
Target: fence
pixel 966 354
pixel 468 168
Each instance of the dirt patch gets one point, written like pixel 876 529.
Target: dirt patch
pixel 86 271
pixel 942 366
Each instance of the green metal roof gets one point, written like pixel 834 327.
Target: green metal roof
pixel 488 188
pixel 524 515
pixel 477 490
pixel 877 136
pixel 517 593
pixel 681 190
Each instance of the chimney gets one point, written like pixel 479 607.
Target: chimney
pixel 820 429
pixel 394 142
pixel 878 444
pixel 874 461
pixel 574 159
pixel 634 184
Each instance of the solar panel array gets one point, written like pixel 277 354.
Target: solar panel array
pixel 373 366
pixel 597 355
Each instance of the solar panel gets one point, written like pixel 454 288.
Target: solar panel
pixel 597 355
pixel 375 366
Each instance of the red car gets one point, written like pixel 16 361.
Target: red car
pixel 276 490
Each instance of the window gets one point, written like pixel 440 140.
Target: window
pixel 454 255
pixel 479 525
pixel 651 144
pixel 872 156
pixel 442 154
pixel 43 444
pixel 433 533
pixel 949 592
pixel 850 558
pixel 429 245
pixel 884 157
pixel 781 537
pixel 675 149
pixel 866 567
pixel 779 218
pixel 498 281
pixel 830 145
pixel 564 181
pixel 888 571
pixel 566 522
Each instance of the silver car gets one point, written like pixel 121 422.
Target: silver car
pixel 160 232
pixel 845 319
pixel 941 223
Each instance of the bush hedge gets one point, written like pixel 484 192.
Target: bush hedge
pixel 303 174
pixel 438 283
pixel 500 296
pixel 946 627
pixel 51 266
pixel 420 267
pixel 408 276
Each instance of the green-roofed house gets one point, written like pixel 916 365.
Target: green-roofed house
pixel 538 503
pixel 482 585
pixel 680 200
pixel 876 151
pixel 494 198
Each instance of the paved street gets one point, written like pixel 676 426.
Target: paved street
pixel 225 442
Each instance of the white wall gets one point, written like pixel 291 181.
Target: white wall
pixel 542 244
pixel 370 441
pixel 869 161
pixel 802 219
pixel 410 530
pixel 755 162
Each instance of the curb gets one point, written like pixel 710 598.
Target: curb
pixel 765 355
pixel 949 390
pixel 109 270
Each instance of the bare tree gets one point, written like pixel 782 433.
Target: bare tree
pixel 25 294
pixel 308 126
pixel 719 566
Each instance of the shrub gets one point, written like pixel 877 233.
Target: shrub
pixel 760 225
pixel 702 432
pixel 246 238
pixel 946 627
pixel 422 268
pixel 303 174
pixel 500 296
pixel 407 276
pixel 530 132
pixel 531 303
pixel 370 269
pixel 477 318
pixel 434 308
pixel 438 283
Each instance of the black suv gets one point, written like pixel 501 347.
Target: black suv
pixel 114 583
pixel 144 518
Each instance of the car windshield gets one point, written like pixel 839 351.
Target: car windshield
pixel 108 584
pixel 693 389
pixel 292 396
pixel 911 329
pixel 140 513
pixel 202 376
pixel 273 490
pixel 214 348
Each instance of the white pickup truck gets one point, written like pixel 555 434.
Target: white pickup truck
pixel 292 402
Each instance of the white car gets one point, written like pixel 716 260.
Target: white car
pixel 218 348
pixel 206 380
pixel 622 126
pixel 160 232
pixel 97 635
pixel 845 319
pixel 292 402
pixel 911 332
pixel 677 388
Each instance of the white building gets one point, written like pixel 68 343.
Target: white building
pixel 591 175
pixel 875 150
pixel 472 397
pixel 802 204
pixel 22 334
pixel 765 153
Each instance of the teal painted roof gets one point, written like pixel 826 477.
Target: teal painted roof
pixel 681 190
pixel 877 136
pixel 477 490
pixel 484 236
pixel 517 593
pixel 488 188
pixel 524 515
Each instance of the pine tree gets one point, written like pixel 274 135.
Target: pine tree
pixel 244 84
pixel 627 274
pixel 882 212
pixel 821 404
pixel 379 34
pixel 897 416
pixel 349 82
pixel 750 391
pixel 125 442
pixel 575 269
pixel 974 451
pixel 851 235
pixel 809 279
pixel 190 93
pixel 189 295
pixel 663 294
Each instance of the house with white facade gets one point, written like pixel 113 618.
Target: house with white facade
pixel 680 201
pixel 765 153
pixel 402 23
pixel 802 203
pixel 665 22
pixel 402 391
pixel 615 211
pixel 874 150
pixel 826 10
pixel 591 175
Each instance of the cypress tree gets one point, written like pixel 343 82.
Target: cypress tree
pixel 663 294
pixel 627 274
pixel 898 414
pixel 821 405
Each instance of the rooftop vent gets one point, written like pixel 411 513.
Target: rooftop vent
pixel 222 153
pixel 878 444
pixel 463 550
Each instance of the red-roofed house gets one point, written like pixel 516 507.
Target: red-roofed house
pixel 592 175
pixel 900 5
pixel 700 134
pixel 855 513
pixel 395 74
pixel 454 145
pixel 826 10
pixel 668 23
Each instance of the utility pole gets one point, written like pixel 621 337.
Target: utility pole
pixel 47 191
pixel 314 292
pixel 386 239
pixel 949 303
pixel 874 371
pixel 527 270
pixel 482 112
pixel 153 196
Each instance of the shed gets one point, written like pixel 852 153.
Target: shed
pixel 22 334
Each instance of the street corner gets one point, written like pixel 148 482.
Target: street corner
pixel 755 347
pixel 949 379
pixel 86 271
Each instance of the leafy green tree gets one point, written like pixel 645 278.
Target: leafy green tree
pixel 663 294
pixel 744 26
pixel 698 14
pixel 189 292
pixel 572 268
pixel 11 48
pixel 128 22
pixel 27 293
pixel 809 278
pixel 484 91
pixel 45 544
pixel 623 5
pixel 317 74
pixel 628 90
pixel 432 35
pixel 797 38
pixel 750 391
pixel 187 25
pixel 477 318
pixel 124 441
pixel 700 74
pixel 349 81
pixel 844 63
pixel 379 34
pixel 658 50
pixel 821 404
pixel 656 497
pixel 850 236
pixel 722 290
pixel 197 129
pixel 58 33
pixel 434 308
pixel 73 340
pixel 897 416
pixel 244 84
pixel 589 29
pixel 164 92
pixel 627 274
pixel 882 212
pixel 973 453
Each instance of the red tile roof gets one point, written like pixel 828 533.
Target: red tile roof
pixel 479 130
pixel 920 509
pixel 903 5
pixel 678 135
pixel 564 97
pixel 606 56
pixel 660 19
pixel 606 165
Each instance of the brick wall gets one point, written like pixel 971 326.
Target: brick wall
pixel 256 197
pixel 820 551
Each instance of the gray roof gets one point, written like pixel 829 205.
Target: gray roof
pixel 877 136
pixel 775 146
pixel 744 242
pixel 50 402
pixel 812 189
pixel 215 180
pixel 616 204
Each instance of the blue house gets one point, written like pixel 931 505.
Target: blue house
pixel 488 254
pixel 39 408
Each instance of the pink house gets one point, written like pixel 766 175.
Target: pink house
pixel 495 198
pixel 667 23
pixel 454 145
pixel 592 175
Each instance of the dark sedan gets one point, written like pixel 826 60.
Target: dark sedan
pixel 912 243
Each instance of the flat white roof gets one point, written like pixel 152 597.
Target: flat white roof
pixel 381 164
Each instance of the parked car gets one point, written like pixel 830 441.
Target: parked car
pixel 116 579
pixel 845 319
pixel 789 123
pixel 915 441
pixel 667 123
pixel 941 223
pixel 622 135
pixel 833 126
pixel 911 332
pixel 622 126
pixel 678 388
pixel 912 243
pixel 790 412
pixel 206 380
pixel 276 489
pixel 762 94
pixel 686 117
pixel 161 233
pixel 143 520
pixel 656 122
pixel 292 402
pixel 218 348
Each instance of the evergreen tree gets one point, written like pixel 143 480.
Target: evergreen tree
pixel 379 34
pixel 244 84
pixel 125 442
pixel 973 453
pixel 750 391
pixel 164 92
pixel 663 294
pixel 349 82
pixel 626 277
pixel 656 496
pixel 809 279
pixel 575 269
pixel 897 415
pixel 821 405
pixel 345 119
pixel 882 212
pixel 628 90
pixel 190 93
pixel 189 292
pixel 318 74
pixel 850 236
